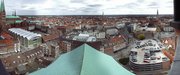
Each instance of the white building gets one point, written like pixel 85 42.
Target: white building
pixel 27 39
pixel 84 37
pixel 101 35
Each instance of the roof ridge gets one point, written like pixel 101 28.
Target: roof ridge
pixel 84 49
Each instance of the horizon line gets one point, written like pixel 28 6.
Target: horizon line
pixel 100 15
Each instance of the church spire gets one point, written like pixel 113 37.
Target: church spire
pixel 157 12
pixel 14 13
pixel 2 7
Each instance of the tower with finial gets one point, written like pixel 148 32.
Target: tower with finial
pixel 2 16
pixel 157 15
pixel 102 18
pixel 14 13
pixel 103 13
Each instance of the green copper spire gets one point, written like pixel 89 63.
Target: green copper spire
pixel 83 60
pixel 2 7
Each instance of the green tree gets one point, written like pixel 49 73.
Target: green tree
pixel 141 36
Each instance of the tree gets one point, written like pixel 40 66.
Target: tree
pixel 124 61
pixel 141 36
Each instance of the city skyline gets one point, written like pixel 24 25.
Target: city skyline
pixel 88 7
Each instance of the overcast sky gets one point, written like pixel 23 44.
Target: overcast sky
pixel 88 7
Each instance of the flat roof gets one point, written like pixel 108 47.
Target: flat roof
pixel 150 47
pixel 24 33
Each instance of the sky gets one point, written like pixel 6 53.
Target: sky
pixel 88 7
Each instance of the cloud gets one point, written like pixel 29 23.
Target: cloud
pixel 77 1
pixel 32 1
pixel 27 12
pixel 94 7
pixel 153 4
pixel 131 5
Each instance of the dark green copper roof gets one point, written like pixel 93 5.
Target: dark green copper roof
pixel 11 16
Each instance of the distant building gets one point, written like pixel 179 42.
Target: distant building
pixel 149 32
pixel 49 37
pixel 114 44
pixel 145 28
pixel 51 49
pixel 8 44
pixel 65 46
pixel 13 20
pixel 27 39
pixel 111 31
pixel 85 38
pixel 168 29
pixel 131 28
pixel 147 55
pixel 18 62
pixel 101 35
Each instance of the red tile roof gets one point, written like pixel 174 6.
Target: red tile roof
pixel 8 39
pixel 117 39
pixel 50 37
pixel 6 36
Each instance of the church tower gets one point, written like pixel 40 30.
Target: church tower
pixel 2 17
pixel 157 15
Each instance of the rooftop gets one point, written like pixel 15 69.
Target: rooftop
pixel 10 16
pixel 167 34
pixel 147 52
pixel 152 29
pixel 84 60
pixel 1 37
pixel 6 40
pixel 50 37
pixel 84 37
pixel 16 60
pixel 24 33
